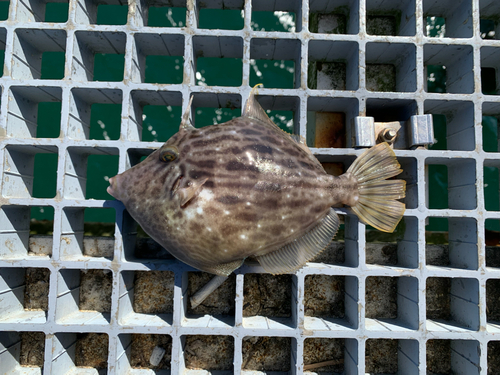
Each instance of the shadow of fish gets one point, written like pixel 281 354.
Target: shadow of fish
pixel 220 194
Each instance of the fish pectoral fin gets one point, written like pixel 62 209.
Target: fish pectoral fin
pixel 189 192
pixel 254 110
pixel 297 253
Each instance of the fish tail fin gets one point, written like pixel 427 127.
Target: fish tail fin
pixel 377 204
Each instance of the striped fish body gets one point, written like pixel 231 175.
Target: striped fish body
pixel 262 190
pixel 217 195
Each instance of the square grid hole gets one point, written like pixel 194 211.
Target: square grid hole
pixel 218 310
pixel 339 17
pixel 25 296
pixel 488 13
pixel 34 112
pixel 22 180
pixel 391 67
pixel 269 301
pixel 452 356
pixel 87 234
pixel 450 65
pixel 335 355
pixel 391 303
pixel 390 18
pixel 454 18
pixel 333 65
pixel 158 58
pixel 154 115
pixel 490 82
pixel 208 352
pixel 490 116
pixel 98 56
pixel 78 184
pixel 284 16
pixel 453 123
pixel 135 351
pixel 387 356
pixel 102 12
pixel 452 304
pixel 268 354
pixel 22 350
pixel 80 352
pixel 146 298
pixel 95 114
pixel 32 47
pixel 451 243
pixel 397 249
pixel 451 183
pixel 275 63
pixel 84 296
pixel 26 231
pixel 218 60
pixel 330 302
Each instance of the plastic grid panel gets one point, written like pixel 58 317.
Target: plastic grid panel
pixel 414 323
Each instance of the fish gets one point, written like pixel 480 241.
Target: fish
pixel 245 189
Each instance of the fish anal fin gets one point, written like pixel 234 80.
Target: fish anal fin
pixel 189 192
pixel 297 253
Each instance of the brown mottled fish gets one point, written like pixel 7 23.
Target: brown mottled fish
pixel 217 195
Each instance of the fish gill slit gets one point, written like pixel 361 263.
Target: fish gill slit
pixel 176 184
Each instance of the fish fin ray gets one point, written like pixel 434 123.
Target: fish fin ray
pixel 186 122
pixel 297 253
pixel 254 110
pixel 377 204
pixel 189 192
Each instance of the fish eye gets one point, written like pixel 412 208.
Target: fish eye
pixel 169 155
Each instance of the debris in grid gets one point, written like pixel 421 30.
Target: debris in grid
pixel 156 356
pixel 219 302
pixel 324 355
pixel 142 347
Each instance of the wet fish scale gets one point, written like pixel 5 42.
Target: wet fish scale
pixel 217 195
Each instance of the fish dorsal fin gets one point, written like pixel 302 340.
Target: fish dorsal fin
pixel 185 122
pixel 254 110
pixel 297 253
pixel 189 192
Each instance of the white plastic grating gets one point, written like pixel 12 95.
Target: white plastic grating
pixel 386 317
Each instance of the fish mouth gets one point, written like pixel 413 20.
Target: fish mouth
pixel 111 189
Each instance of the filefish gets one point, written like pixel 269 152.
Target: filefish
pixel 220 194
